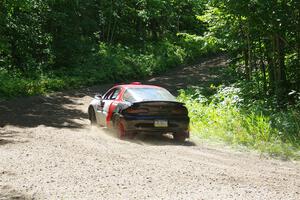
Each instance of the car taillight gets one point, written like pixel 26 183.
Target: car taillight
pixel 136 110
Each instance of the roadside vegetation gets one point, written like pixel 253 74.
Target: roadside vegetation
pixel 228 114
pixel 260 109
pixel 262 38
pixel 52 45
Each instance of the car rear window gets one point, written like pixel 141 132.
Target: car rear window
pixel 148 94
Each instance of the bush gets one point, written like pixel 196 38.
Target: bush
pixel 225 117
pixel 127 62
pixel 109 63
pixel 196 46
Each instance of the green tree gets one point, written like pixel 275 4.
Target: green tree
pixel 266 35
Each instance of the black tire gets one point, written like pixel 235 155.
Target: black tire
pixel 92 116
pixel 179 137
pixel 120 128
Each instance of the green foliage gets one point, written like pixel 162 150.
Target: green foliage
pixel 199 45
pixel 263 38
pixel 126 62
pixel 226 116
pixel 110 63
pixel 48 45
pixel 24 45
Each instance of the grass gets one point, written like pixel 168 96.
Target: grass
pixel 224 117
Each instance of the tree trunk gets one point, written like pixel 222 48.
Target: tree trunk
pixel 271 67
pixel 247 69
pixel 263 66
pixel 297 71
pixel 280 72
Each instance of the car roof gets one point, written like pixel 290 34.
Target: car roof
pixel 137 85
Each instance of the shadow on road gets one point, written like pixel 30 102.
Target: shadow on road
pixel 34 111
pixel 8 137
pixel 60 110
pixel 6 192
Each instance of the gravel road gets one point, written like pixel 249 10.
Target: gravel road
pixel 48 150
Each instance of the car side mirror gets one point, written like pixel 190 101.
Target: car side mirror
pixel 98 97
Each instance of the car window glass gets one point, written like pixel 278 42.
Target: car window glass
pixel 150 94
pixel 108 94
pixel 127 97
pixel 115 94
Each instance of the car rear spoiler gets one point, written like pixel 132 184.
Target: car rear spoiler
pixel 157 102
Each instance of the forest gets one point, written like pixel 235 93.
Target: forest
pixel 53 45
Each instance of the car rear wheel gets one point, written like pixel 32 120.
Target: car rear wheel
pixel 121 133
pixel 179 137
pixel 92 116
pixel 119 125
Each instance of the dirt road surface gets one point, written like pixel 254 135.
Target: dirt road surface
pixel 48 150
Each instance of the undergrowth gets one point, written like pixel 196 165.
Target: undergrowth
pixel 227 116
pixel 107 64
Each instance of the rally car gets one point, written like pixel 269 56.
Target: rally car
pixel 140 109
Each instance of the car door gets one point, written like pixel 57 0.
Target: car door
pixel 107 100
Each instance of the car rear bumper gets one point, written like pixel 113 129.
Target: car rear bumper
pixel 146 125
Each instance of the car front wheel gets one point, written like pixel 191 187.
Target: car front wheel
pixel 92 116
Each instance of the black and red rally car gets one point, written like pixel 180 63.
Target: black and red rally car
pixel 136 108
